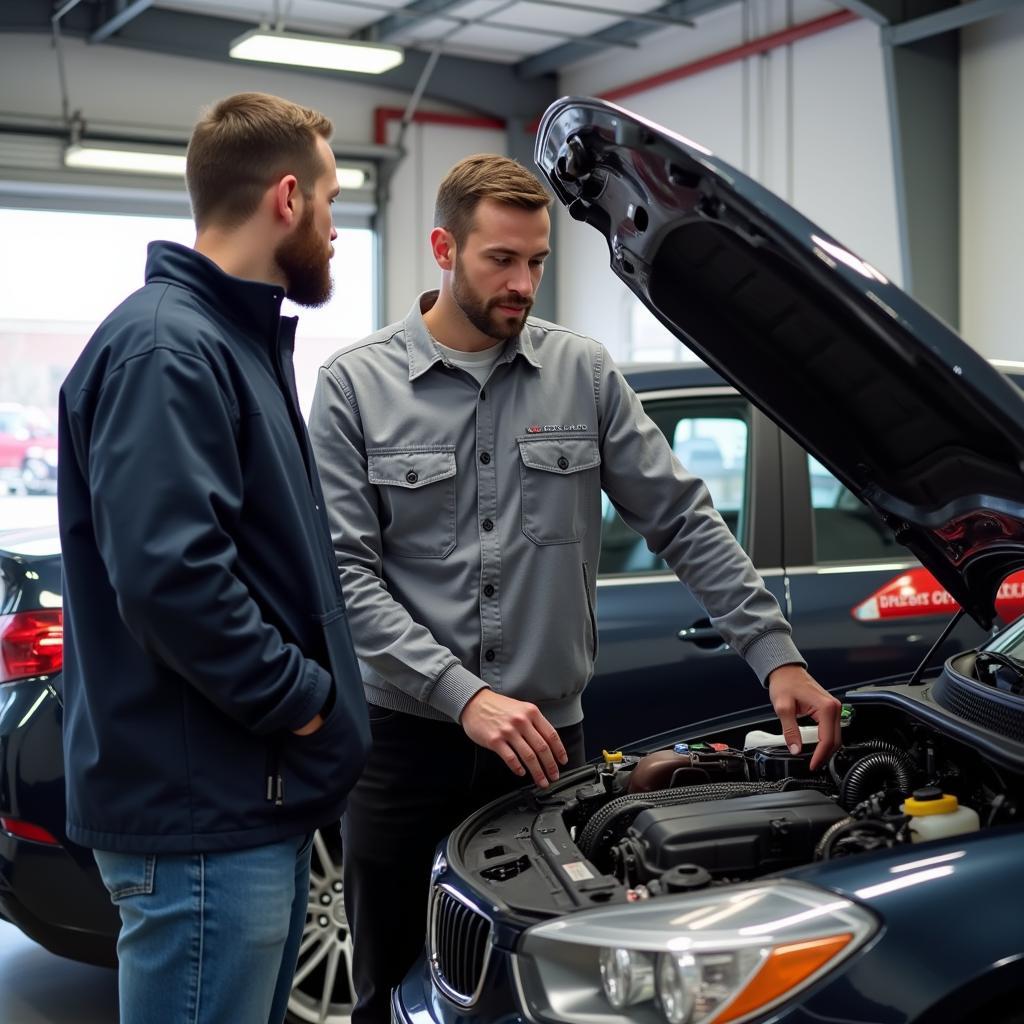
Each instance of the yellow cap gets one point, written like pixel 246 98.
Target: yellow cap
pixel 612 756
pixel 945 804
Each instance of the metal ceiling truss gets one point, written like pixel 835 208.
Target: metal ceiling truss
pixel 487 87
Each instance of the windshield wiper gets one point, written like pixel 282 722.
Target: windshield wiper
pixel 1001 671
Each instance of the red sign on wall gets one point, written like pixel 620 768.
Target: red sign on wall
pixel 917 593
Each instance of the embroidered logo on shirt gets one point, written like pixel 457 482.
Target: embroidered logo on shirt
pixel 556 428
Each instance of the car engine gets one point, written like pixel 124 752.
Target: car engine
pixel 732 807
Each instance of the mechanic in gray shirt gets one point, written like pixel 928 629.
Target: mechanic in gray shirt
pixel 463 452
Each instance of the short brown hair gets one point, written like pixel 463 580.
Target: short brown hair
pixel 241 146
pixel 484 176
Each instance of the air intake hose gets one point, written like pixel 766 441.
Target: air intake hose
pixel 873 772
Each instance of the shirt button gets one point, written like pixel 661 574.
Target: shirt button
pixel 563 463
pixel 487 525
pixel 411 477
pixel 489 655
pixel 489 590
pixel 485 458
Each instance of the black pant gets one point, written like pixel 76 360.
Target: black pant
pixel 423 778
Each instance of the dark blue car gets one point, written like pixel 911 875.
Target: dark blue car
pixel 707 875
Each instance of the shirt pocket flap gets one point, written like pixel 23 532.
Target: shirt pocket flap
pixel 561 455
pixel 410 467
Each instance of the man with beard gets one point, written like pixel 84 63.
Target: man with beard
pixel 214 716
pixel 463 453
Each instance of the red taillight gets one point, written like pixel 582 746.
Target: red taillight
pixel 26 830
pixel 31 644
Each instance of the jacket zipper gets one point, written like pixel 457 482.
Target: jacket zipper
pixel 274 781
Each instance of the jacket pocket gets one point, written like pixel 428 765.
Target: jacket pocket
pixel 326 764
pixel 591 615
pixel 559 484
pixel 417 496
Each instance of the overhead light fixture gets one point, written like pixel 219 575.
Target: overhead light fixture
pixel 304 51
pixel 111 156
pixel 351 177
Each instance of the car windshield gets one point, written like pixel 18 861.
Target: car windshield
pixel 1010 641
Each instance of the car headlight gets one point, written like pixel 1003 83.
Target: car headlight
pixel 723 955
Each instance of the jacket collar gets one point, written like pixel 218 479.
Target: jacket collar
pixel 253 305
pixel 423 353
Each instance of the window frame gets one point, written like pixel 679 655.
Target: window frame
pixel 762 506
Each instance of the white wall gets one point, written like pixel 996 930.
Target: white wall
pixel 153 93
pixel 809 121
pixel 161 93
pixel 431 151
pixel 991 173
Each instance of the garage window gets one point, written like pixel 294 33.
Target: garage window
pixel 62 273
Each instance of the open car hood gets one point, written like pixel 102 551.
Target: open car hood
pixel 915 422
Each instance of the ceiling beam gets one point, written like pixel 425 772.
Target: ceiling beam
pixel 880 12
pixel 481 86
pixel 393 25
pixel 630 30
pixel 956 17
pixel 123 15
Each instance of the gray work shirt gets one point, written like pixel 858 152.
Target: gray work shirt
pixel 467 519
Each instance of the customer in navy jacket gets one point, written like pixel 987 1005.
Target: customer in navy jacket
pixel 214 712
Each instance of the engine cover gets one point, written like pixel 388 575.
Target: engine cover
pixel 739 837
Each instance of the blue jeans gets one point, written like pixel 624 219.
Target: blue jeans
pixel 208 937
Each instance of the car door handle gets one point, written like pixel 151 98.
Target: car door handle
pixel 702 634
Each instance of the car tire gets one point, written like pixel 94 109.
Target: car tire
pixel 322 990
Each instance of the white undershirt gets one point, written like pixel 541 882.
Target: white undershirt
pixel 477 363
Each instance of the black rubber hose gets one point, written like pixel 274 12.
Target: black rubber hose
pixel 867 747
pixel 619 814
pixel 871 773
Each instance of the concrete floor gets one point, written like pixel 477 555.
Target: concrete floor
pixel 39 988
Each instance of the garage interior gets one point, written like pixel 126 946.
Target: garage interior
pixel 894 124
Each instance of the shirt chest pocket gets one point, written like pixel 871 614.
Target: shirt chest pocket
pixel 417 496
pixel 560 486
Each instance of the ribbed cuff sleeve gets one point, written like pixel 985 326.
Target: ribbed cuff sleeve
pixel 770 651
pixel 453 690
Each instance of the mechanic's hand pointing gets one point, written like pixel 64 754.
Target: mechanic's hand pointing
pixel 517 732
pixel 794 692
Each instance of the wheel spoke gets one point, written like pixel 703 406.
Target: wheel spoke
pixel 307 968
pixel 311 939
pixel 326 864
pixel 329 980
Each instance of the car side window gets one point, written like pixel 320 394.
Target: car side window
pixel 845 529
pixel 710 439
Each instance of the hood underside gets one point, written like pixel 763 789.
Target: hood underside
pixel 901 409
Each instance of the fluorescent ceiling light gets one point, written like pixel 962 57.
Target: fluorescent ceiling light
pixel 351 177
pixel 108 157
pixel 316 52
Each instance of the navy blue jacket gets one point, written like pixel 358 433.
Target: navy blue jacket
pixel 204 618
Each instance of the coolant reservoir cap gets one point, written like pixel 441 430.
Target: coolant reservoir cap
pixel 930 800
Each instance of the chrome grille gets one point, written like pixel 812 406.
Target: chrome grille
pixel 460 944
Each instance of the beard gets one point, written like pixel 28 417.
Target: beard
pixel 484 314
pixel 305 261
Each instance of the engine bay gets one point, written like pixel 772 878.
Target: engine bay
pixel 732 807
